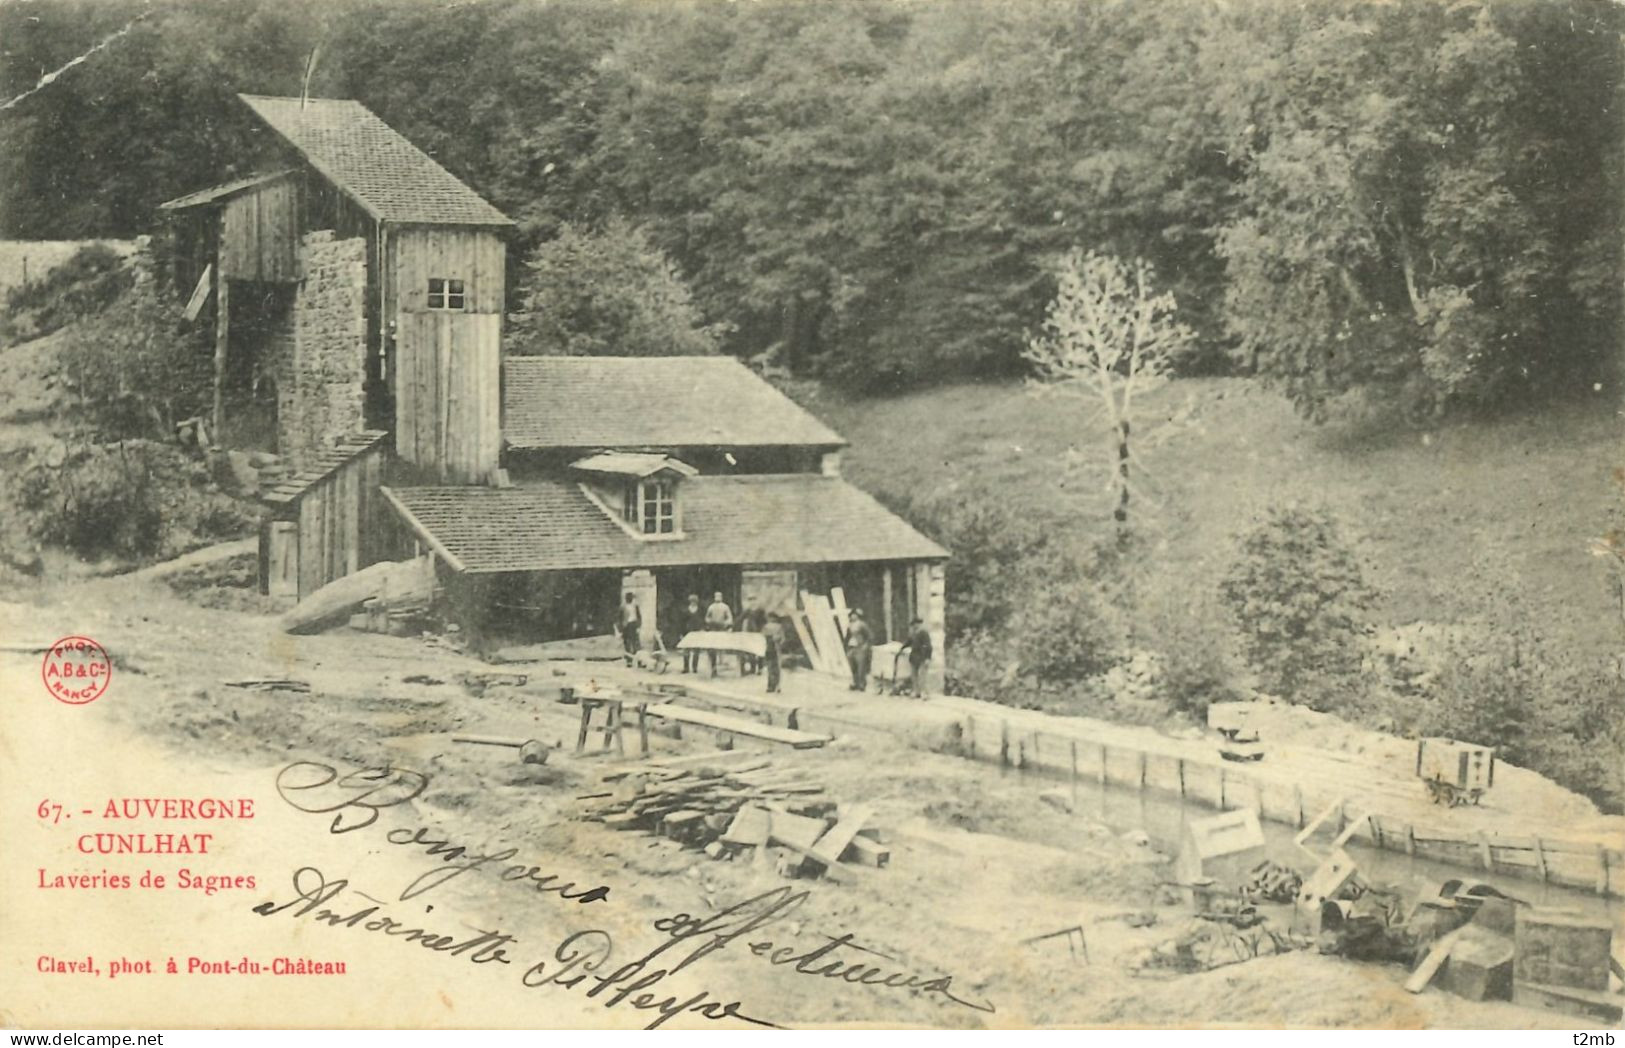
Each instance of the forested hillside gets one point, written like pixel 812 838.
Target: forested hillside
pixel 1411 204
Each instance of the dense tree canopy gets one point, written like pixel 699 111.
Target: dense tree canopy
pixel 1374 199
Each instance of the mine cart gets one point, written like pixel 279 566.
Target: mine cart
pixel 1455 772
pixel 1232 721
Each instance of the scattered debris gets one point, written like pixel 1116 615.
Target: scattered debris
pixel 475 683
pixel 1076 943
pixel 1272 882
pixel 269 684
pixel 420 678
pixel 1060 800
pixel 530 750
pixel 748 809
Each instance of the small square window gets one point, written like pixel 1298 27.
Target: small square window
pixel 445 293
pixel 651 507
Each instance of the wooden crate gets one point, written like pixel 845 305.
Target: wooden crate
pixel 1559 948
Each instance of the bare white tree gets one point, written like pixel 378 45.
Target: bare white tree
pixel 1106 337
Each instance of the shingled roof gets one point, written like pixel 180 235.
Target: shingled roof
pixel 392 179
pixel 322 466
pixel 225 191
pixel 628 402
pixel 552 525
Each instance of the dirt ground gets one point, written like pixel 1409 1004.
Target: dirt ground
pixel 978 863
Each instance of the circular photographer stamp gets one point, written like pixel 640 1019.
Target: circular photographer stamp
pixel 76 670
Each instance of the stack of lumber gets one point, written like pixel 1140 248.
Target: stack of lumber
pixel 739 809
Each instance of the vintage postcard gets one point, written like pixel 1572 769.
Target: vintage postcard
pixel 892 514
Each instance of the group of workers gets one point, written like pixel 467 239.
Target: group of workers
pixel 718 617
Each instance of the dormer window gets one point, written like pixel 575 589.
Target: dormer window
pixel 446 293
pixel 637 490
pixel 651 506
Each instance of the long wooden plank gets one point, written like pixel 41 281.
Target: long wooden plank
pixel 815 658
pixel 1435 959
pixel 800 740
pixel 829 847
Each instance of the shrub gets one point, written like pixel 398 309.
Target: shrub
pixel 82 286
pixel 1189 635
pixel 136 367
pixel 131 501
pixel 98 503
pixel 1021 609
pixel 1297 594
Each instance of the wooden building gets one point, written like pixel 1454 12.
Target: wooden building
pixel 370 284
pixel 327 521
pixel 435 273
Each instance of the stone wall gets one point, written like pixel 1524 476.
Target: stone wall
pixel 319 358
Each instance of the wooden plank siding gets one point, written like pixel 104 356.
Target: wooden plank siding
pixel 259 233
pixel 479 258
pixel 448 393
pixel 341 523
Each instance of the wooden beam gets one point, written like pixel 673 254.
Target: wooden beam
pixel 829 847
pixel 885 602
pixel 200 293
pixel 222 334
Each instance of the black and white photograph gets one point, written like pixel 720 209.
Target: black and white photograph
pixel 618 515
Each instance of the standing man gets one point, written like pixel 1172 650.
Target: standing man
pixel 773 633
pixel 718 617
pixel 631 626
pixel 692 620
pixel 752 621
pixel 859 650
pixel 918 646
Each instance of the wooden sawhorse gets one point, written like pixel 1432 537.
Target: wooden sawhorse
pixel 614 707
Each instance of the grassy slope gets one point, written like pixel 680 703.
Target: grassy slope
pixel 1448 521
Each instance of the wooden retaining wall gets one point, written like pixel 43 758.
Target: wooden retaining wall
pixel 1573 864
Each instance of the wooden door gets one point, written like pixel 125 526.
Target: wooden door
pixel 282 556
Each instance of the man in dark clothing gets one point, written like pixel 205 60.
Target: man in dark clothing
pixel 691 620
pixel 752 621
pixel 859 650
pixel 918 646
pixel 631 626
pixel 773 633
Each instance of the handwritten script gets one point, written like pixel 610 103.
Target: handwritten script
pixel 583 962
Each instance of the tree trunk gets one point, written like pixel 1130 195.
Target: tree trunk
pixel 1121 513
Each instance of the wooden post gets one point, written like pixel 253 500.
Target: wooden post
pixel 1036 759
pixel 1297 802
pixel 1410 839
pixel 1602 870
pixel 222 331
pixel 1181 778
pixel 1484 851
pixel 1074 763
pixel 1224 803
pixel 1004 743
pixel 970 735
pixel 1142 771
pixel 1103 776
pixel 885 602
pixel 1540 860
